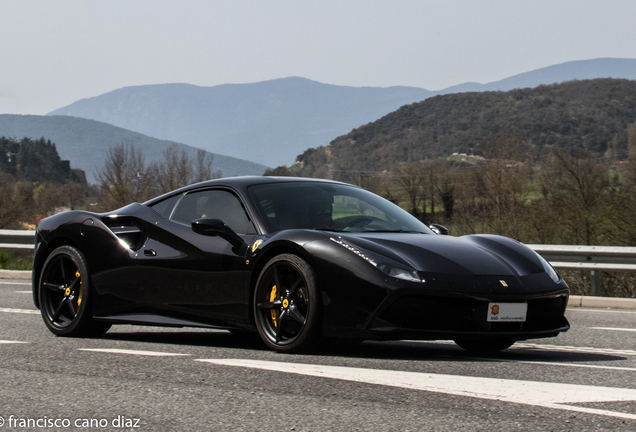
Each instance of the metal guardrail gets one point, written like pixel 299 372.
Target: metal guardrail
pixel 16 239
pixel 596 259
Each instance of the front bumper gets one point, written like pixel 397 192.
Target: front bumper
pixel 411 314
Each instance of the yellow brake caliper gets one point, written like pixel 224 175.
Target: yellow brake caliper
pixel 79 295
pixel 273 312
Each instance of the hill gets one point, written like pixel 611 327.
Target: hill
pixel 270 122
pixel 85 142
pixel 273 121
pixel 582 116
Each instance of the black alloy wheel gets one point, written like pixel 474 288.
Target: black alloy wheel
pixel 65 295
pixel 287 305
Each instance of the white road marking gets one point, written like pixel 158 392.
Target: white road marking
pixel 569 365
pixel 25 292
pixel 14 283
pixel 11 342
pixel 133 352
pixel 22 311
pixel 589 350
pixel 601 310
pixel 548 395
pixel 546 347
pixel 614 328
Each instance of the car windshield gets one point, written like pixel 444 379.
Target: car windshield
pixel 329 206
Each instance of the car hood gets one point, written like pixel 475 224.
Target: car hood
pixel 469 255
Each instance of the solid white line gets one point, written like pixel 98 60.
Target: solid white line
pixel 601 310
pixel 570 365
pixel 133 352
pixel 25 292
pixel 22 311
pixel 548 395
pixel 546 347
pixel 614 328
pixel 11 342
pixel 14 283
pixel 588 350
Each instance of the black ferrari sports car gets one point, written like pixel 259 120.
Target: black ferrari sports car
pixel 294 259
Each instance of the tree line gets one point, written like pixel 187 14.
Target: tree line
pixel 35 182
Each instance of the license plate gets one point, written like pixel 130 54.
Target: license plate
pixel 507 312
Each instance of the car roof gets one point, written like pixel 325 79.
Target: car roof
pixel 241 182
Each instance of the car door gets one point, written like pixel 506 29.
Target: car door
pixel 189 275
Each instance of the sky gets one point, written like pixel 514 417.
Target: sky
pixel 53 53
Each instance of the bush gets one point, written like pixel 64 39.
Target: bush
pixel 16 260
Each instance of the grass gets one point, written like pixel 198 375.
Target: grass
pixel 10 260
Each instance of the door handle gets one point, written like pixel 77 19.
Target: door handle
pixel 150 252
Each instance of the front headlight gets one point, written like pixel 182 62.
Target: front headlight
pixel 383 264
pixel 554 275
pixel 400 273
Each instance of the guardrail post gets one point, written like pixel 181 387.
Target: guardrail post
pixel 596 283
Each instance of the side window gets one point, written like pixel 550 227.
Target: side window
pixel 165 207
pixel 216 204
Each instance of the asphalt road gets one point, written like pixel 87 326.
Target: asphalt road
pixel 156 379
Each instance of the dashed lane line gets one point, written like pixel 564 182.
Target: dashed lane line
pixel 11 342
pixel 132 352
pixel 600 310
pixel 614 328
pixel 547 347
pixel 543 394
pixel 22 311
pixel 587 350
pixel 576 365
pixel 14 283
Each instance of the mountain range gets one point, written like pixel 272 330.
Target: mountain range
pixel 85 143
pixel 272 122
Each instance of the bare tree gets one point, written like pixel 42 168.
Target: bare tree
pixel 203 167
pixel 410 177
pixel 124 178
pixel 502 183
pixel 445 188
pixel 577 192
pixel 10 211
pixel 178 170
pixel 175 171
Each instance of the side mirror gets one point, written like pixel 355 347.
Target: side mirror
pixel 439 229
pixel 216 227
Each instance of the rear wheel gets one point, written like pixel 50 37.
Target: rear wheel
pixel 485 344
pixel 287 305
pixel 65 295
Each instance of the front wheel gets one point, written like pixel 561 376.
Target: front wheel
pixel 65 295
pixel 485 345
pixel 287 305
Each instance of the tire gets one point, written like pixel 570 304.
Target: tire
pixel 287 306
pixel 485 345
pixel 64 290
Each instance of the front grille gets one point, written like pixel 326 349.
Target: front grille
pixel 465 315
pixel 421 313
